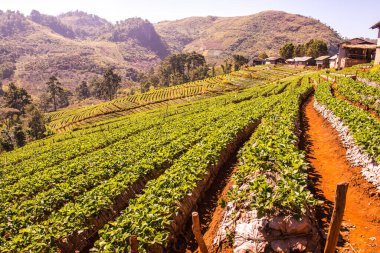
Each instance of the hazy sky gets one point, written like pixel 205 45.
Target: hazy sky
pixel 351 18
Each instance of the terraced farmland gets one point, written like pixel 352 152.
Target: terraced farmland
pixel 140 165
pixel 72 119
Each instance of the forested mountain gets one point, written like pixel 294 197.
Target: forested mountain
pixel 77 46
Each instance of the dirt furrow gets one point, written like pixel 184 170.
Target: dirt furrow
pixel 361 226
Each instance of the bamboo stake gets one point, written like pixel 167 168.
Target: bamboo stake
pixel 134 244
pixel 336 218
pixel 197 233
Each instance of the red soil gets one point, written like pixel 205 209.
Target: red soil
pixel 211 218
pixel 361 224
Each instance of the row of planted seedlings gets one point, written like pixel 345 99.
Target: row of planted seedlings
pixel 50 151
pixel 68 119
pixel 56 185
pixel 270 207
pixel 161 212
pixel 358 130
pixel 65 207
pixel 359 93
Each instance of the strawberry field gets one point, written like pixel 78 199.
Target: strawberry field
pixel 139 165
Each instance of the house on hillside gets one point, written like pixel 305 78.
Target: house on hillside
pixel 304 61
pixel 323 61
pixel 290 61
pixel 355 51
pixel 274 60
pixel 333 61
pixel 377 57
pixel 257 61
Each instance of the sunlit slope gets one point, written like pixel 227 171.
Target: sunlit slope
pixel 77 118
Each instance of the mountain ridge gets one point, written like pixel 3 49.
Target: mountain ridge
pixel 78 46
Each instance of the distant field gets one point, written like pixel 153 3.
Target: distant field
pixel 77 118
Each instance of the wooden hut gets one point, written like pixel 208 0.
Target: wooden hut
pixel 377 57
pixel 355 51
pixel 274 60
pixel 323 61
pixel 304 61
pixel 257 61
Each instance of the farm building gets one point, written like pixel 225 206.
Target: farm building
pixel 290 61
pixel 304 61
pixel 332 61
pixel 257 61
pixel 377 58
pixel 355 51
pixel 323 61
pixel 274 60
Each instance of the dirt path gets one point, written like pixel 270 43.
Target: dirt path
pixel 211 212
pixel 361 225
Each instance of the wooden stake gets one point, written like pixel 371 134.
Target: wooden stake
pixel 134 244
pixel 197 233
pixel 337 217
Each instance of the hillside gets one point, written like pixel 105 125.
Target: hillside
pixel 252 154
pixel 77 46
pixel 73 48
pixel 267 31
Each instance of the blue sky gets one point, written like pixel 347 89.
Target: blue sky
pixel 350 18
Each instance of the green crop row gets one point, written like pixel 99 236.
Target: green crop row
pixel 271 167
pixel 363 126
pixel 41 209
pixel 359 92
pixel 151 214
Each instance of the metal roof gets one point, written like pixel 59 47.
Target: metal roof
pixel 334 57
pixel 360 46
pixel 305 58
pixel 377 25
pixel 321 58
pixel 273 58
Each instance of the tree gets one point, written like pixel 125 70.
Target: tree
pixel 17 98
pixel 180 68
pixel 263 55
pixel 227 66
pixel 35 123
pixel 18 135
pixel 1 89
pixel 316 48
pixel 6 140
pixel 95 87
pixel 110 84
pixel 239 61
pixel 44 101
pixel 54 88
pixel 82 91
pixel 299 50
pixel 287 51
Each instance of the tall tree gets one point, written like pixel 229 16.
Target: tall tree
pixel 54 89
pixel 316 48
pixel 287 51
pixel 82 91
pixel 180 68
pixel 111 84
pixel 239 61
pixel 299 50
pixel 17 98
pixel 1 89
pixel 263 55
pixel 35 123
